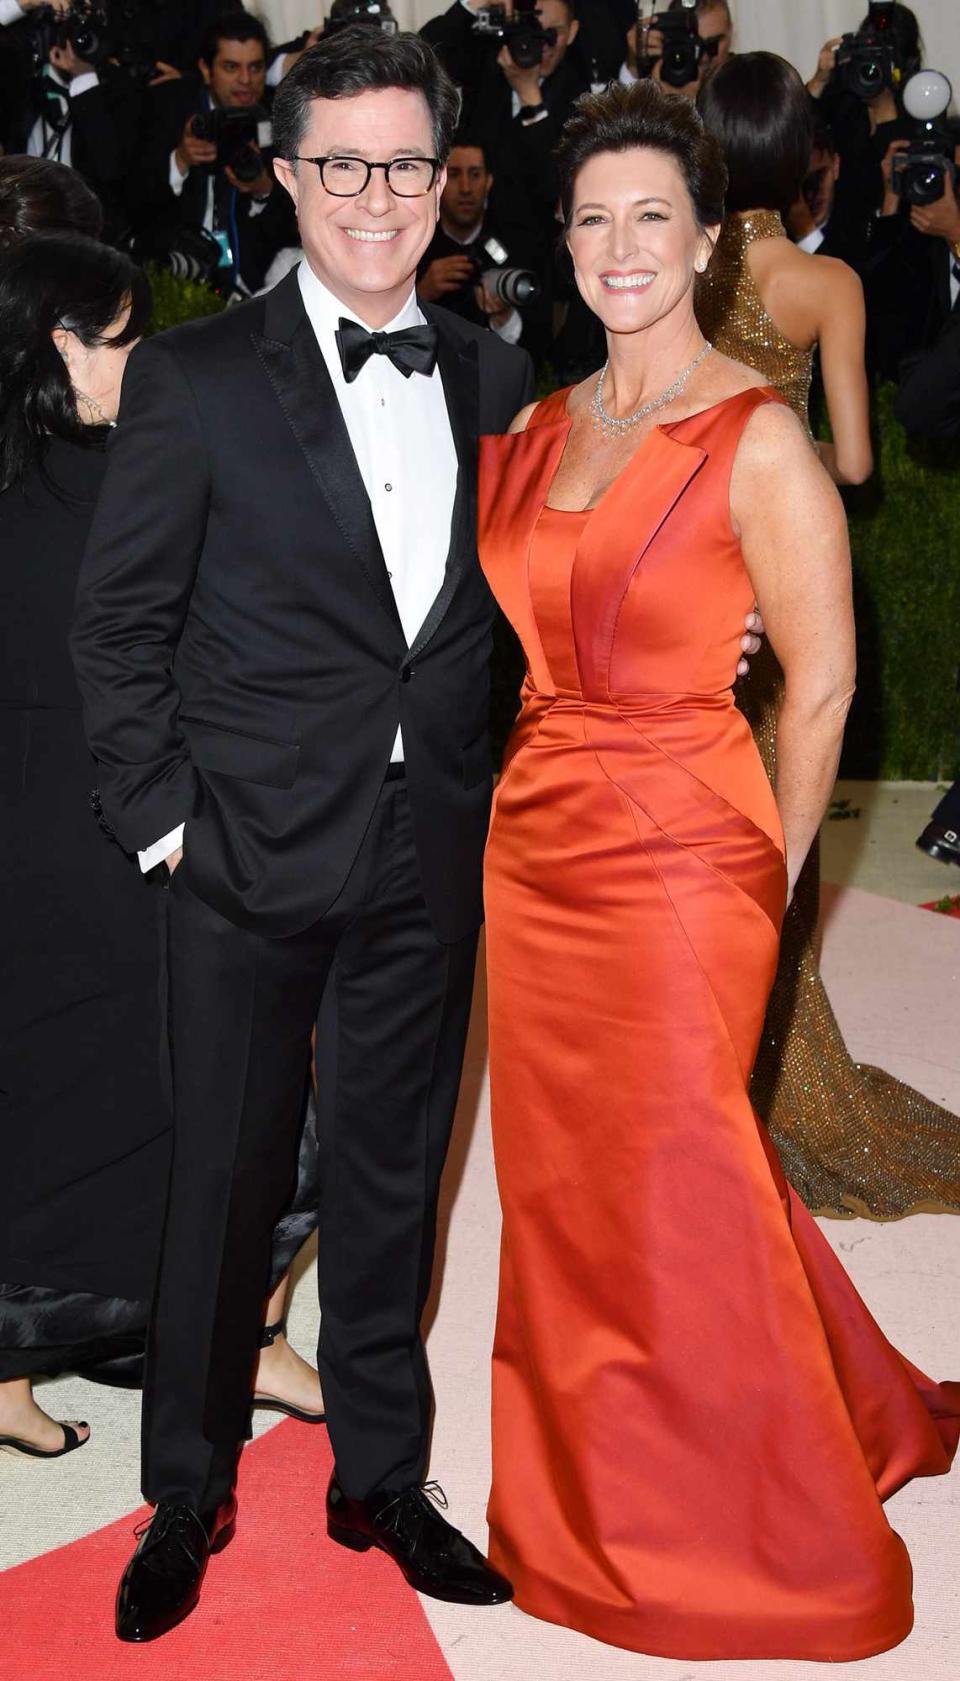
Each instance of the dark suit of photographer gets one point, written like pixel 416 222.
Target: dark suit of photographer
pixel 450 269
pixel 180 186
pixel 912 274
pixel 517 114
pixel 76 112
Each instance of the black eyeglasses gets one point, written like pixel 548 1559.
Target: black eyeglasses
pixel 347 177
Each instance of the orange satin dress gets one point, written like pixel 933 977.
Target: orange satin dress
pixel 695 1419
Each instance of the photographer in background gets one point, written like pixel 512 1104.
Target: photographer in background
pixel 857 84
pixel 912 276
pixel 66 99
pixel 468 242
pixel 646 44
pixel 519 81
pixel 206 172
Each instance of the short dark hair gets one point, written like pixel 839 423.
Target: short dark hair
pixel 353 61
pixel 39 194
pixel 51 280
pixel 232 25
pixel 621 119
pixel 759 110
pixel 472 142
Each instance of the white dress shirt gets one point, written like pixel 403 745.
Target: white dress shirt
pixel 812 241
pixel 402 439
pixel 47 141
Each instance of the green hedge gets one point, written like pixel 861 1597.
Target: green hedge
pixel 176 300
pixel 905 538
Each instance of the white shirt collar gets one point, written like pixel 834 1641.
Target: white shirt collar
pixel 464 239
pixel 325 309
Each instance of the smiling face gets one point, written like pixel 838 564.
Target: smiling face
pixel 365 249
pixel 634 238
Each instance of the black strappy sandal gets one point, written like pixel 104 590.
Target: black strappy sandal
pixel 27 1450
pixel 271 1403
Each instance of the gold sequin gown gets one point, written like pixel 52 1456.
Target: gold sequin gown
pixel 852 1140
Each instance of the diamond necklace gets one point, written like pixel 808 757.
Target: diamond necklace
pixel 613 426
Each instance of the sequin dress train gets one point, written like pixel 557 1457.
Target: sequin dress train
pixel 852 1139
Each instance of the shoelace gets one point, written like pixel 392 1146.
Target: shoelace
pixel 177 1523
pixel 432 1490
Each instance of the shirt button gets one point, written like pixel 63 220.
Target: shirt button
pixel 388 487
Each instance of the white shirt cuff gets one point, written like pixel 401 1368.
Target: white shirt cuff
pixel 511 329
pixel 176 179
pixel 627 77
pixel 811 241
pixel 10 12
pixel 161 849
pixel 83 84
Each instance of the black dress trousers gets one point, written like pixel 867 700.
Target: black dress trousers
pixel 391 1005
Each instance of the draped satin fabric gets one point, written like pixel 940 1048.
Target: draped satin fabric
pixel 695 1418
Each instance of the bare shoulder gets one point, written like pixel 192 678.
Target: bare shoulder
pixel 828 285
pixel 778 478
pixel 727 377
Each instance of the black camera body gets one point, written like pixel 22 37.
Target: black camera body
pixel 682 46
pixel 375 14
pixel 509 285
pixel 523 35
pixel 868 63
pixel 239 134
pixel 85 27
pixel 96 32
pixel 920 173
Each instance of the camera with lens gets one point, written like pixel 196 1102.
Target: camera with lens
pixel 84 27
pixel 523 34
pixel 919 173
pixel 683 50
pixel 868 63
pixel 375 14
pixel 239 135
pixel 510 286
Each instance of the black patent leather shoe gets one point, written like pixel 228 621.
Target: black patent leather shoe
pixel 434 1557
pixel 161 1584
pixel 940 842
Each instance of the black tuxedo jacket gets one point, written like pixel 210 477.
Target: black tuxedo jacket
pixel 237 642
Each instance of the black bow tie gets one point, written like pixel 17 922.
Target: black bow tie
pixel 413 350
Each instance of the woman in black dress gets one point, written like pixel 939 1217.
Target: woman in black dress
pixel 85 1128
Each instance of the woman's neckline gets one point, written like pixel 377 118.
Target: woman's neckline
pixel 566 419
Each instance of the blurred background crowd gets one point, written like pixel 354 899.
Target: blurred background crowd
pixel 162 108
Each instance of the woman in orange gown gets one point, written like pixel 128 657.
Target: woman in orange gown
pixel 695 1418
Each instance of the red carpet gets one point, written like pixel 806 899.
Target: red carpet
pixel 281 1603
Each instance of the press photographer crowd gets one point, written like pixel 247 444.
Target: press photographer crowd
pixel 162 107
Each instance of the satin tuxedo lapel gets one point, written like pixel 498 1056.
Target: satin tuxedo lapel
pixel 293 362
pixel 460 374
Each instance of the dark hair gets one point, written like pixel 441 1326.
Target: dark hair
pixel 38 194
pixel 622 118
pixel 475 142
pixel 759 110
pixel 905 30
pixel 353 61
pixel 46 281
pixel 232 25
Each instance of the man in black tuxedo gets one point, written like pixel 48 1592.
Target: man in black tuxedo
pixel 282 639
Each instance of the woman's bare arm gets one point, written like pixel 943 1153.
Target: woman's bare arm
pixel 842 333
pixel 793 531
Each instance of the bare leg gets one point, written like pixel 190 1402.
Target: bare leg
pixel 20 1416
pixel 281 1373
